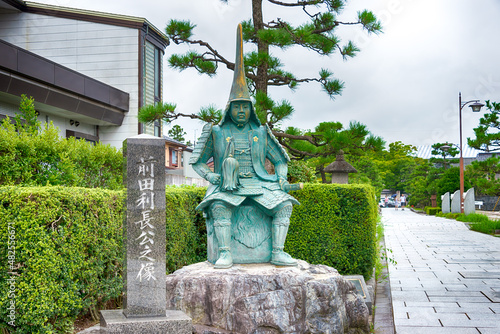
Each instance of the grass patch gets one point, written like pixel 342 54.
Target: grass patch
pixel 480 223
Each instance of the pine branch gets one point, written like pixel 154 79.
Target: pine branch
pixel 296 4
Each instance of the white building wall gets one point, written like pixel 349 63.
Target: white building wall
pixel 8 109
pixel 104 52
pixel 61 123
pixel 188 169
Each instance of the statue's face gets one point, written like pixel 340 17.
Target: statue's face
pixel 240 112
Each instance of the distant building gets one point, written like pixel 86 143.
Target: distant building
pixel 469 154
pixel 178 169
pixel 89 72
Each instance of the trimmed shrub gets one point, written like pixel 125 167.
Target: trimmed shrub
pixel 186 230
pixel 335 225
pixel 432 211
pixel 65 247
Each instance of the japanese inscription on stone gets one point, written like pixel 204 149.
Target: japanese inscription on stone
pixel 145 227
pixel 146 203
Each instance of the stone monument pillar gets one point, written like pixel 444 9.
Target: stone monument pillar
pixel 144 241
pixel 445 203
pixel 455 202
pixel 469 202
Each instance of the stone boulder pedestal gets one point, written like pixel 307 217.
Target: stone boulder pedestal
pixel 263 298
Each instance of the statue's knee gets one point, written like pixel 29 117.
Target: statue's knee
pixel 282 216
pixel 284 211
pixel 221 213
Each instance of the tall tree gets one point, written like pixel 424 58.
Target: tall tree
pixel 482 176
pixel 488 132
pixel 177 133
pixel 318 34
pixel 398 165
pixel 327 139
pixel 444 150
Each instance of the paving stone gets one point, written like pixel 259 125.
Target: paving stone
pixel 494 307
pixel 479 308
pixel 434 293
pixel 443 277
pixel 493 296
pixel 413 312
pixel 459 299
pixel 484 330
pixel 484 316
pixel 415 296
pixel 479 274
pixel 471 323
pixel 436 330
pixel 416 322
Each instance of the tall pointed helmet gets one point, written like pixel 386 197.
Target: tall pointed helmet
pixel 239 89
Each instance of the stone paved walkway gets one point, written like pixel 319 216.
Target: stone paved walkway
pixel 446 278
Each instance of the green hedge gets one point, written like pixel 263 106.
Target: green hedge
pixel 335 225
pixel 186 230
pixel 68 250
pixel 68 256
pixel 432 211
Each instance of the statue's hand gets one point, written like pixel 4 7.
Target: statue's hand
pixel 287 187
pixel 213 178
pixel 283 184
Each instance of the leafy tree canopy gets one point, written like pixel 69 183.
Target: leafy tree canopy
pixel 319 34
pixel 488 132
pixel 177 133
pixel 444 150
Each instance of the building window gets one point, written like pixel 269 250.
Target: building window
pixel 173 158
pixel 157 129
pixel 157 74
pixel 79 135
pixel 152 83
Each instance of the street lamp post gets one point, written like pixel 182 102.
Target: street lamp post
pixel 476 107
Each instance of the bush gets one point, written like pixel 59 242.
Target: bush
pixel 39 158
pixel 68 254
pixel 186 230
pixel 432 211
pixel 335 225
pixel 300 171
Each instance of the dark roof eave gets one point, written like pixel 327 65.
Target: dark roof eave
pixel 18 4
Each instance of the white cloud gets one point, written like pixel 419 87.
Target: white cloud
pixel 403 84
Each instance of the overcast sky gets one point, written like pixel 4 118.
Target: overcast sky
pixel 403 85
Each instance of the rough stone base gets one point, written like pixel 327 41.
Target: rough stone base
pixel 113 321
pixel 263 298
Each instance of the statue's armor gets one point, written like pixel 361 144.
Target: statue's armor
pixel 251 147
pixel 242 153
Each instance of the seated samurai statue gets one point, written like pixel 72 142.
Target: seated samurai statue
pixel 239 146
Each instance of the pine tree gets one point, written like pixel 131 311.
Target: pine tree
pixel 318 34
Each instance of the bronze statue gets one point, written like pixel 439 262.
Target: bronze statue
pixel 239 146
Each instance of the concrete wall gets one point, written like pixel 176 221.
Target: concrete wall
pixel 188 169
pixel 180 180
pixel 489 203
